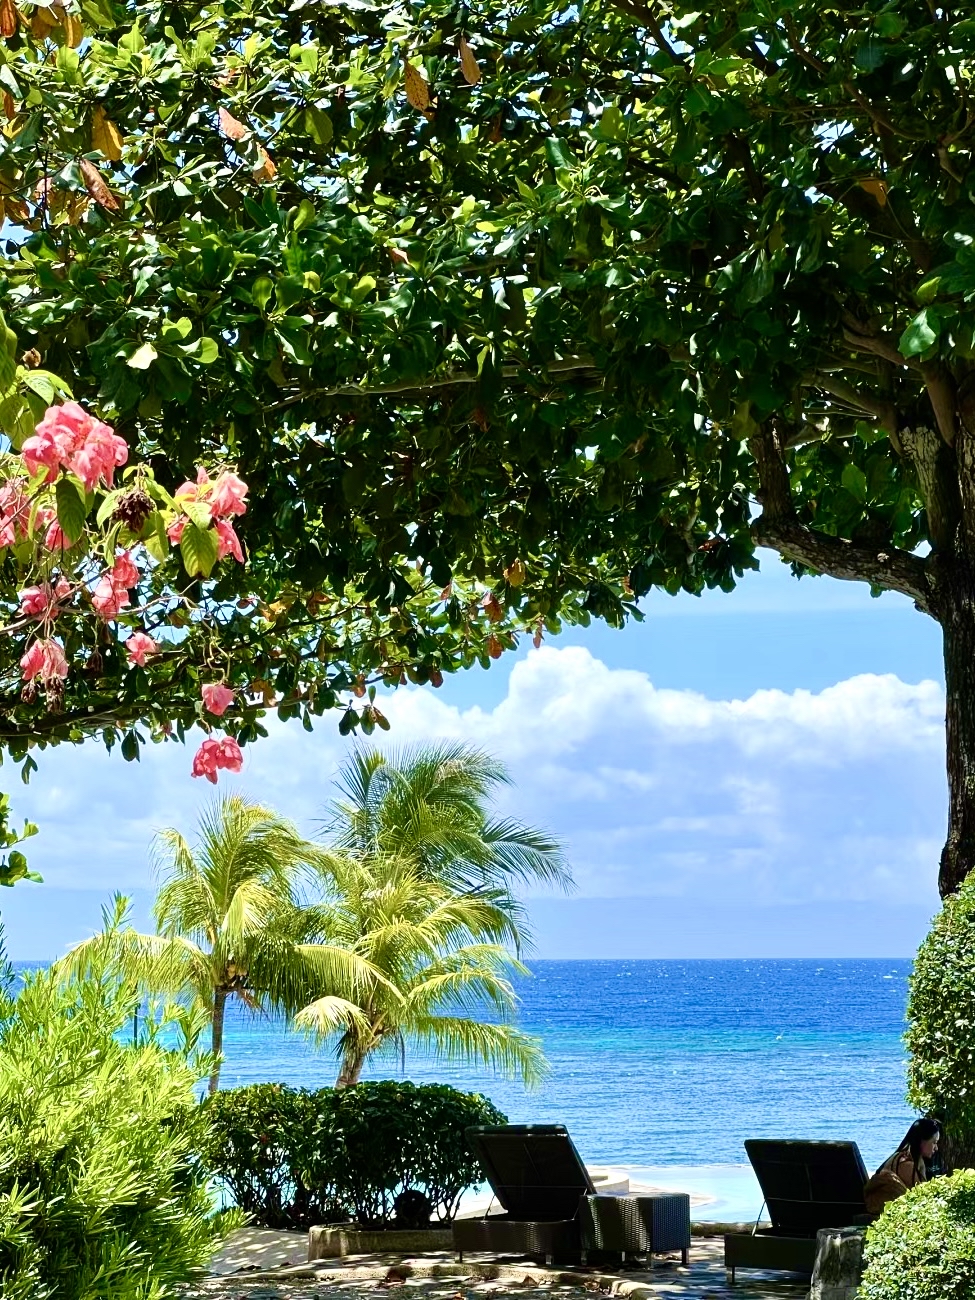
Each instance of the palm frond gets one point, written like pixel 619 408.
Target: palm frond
pixel 500 1047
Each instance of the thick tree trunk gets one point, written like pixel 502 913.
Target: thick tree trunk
pixel 216 1039
pixel 956 613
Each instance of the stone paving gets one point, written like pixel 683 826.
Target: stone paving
pixel 440 1277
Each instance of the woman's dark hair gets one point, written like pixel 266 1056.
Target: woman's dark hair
pixel 922 1130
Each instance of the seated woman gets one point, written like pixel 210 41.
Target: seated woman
pixel 910 1161
pixel 908 1166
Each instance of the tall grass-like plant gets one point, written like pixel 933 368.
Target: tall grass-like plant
pixel 101 1196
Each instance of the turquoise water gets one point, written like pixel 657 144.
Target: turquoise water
pixel 659 1064
pixel 665 1067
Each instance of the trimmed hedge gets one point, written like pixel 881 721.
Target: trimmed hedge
pixel 923 1245
pixel 293 1157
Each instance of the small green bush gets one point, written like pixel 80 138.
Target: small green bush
pixel 941 1025
pixel 923 1245
pixel 292 1158
pixel 101 1193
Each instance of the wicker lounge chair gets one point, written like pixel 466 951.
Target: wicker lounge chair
pixel 550 1207
pixel 807 1186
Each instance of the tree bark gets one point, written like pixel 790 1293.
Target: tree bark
pixel 955 607
pixel 351 1070
pixel 216 1038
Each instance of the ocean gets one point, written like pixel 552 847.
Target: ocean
pixel 665 1067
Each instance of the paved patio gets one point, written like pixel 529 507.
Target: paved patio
pixel 440 1277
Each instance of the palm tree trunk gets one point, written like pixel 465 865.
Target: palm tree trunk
pixel 351 1070
pixel 216 1040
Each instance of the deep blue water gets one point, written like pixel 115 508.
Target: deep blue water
pixel 675 1062
pixel 658 1063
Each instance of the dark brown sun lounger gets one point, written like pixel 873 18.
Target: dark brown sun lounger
pixel 550 1207
pixel 807 1186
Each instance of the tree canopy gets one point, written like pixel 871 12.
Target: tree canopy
pixel 564 303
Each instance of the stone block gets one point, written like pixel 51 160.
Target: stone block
pixel 838 1268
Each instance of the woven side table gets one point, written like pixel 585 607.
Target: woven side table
pixel 637 1225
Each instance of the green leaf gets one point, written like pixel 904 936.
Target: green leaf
pixel 855 482
pixel 318 125
pixel 922 332
pixel 198 547
pixel 261 292
pixel 204 350
pixel 72 507
pixel 8 357
pixel 558 154
pixel 142 358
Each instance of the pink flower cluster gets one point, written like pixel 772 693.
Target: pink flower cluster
pixel 138 647
pixel 112 591
pixel 69 438
pixel 217 698
pixel 224 498
pixel 214 754
pixel 41 601
pixel 45 659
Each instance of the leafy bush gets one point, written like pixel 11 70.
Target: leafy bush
pixel 923 1245
pixel 294 1157
pixel 941 1025
pixel 101 1194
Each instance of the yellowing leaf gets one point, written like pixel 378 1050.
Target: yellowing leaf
pixel 9 19
pixel 105 135
pixel 417 90
pixel 96 187
pixel 229 125
pixel 42 23
pixel 72 29
pixel 267 170
pixel 877 189
pixel 9 107
pixel 468 64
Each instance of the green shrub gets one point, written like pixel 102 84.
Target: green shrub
pixel 293 1157
pixel 923 1245
pixel 101 1194
pixel 941 1025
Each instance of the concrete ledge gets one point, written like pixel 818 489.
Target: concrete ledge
pixel 337 1242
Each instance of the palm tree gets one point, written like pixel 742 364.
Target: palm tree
pixel 230 924
pixel 430 805
pixel 441 954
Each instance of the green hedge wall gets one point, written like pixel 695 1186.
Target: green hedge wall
pixel 923 1245
pixel 294 1157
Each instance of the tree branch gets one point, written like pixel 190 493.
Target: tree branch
pixel 779 528
pixel 649 20
pixel 884 412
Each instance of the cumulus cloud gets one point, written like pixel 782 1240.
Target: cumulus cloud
pixel 777 798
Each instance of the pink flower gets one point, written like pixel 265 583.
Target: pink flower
pixel 41 452
pixel 62 588
pixel 229 755
pixel 217 698
pixel 228 543
pixel 138 646
pixel 54 538
pixel 214 754
pixel 45 659
pixel 228 496
pixel 108 598
pixel 15 507
pixel 124 572
pixel 175 530
pixel 36 602
pixel 193 491
pixel 68 436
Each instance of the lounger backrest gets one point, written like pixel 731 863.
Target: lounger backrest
pixel 534 1170
pixel 809 1185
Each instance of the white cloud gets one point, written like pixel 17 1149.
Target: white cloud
pixel 779 797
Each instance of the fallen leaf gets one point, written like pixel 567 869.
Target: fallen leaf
pixel 468 64
pixel 9 19
pixel 105 135
pixel 229 125
pixel 877 189
pixel 96 187
pixel 417 90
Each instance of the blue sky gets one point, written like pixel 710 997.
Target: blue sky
pixel 758 773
